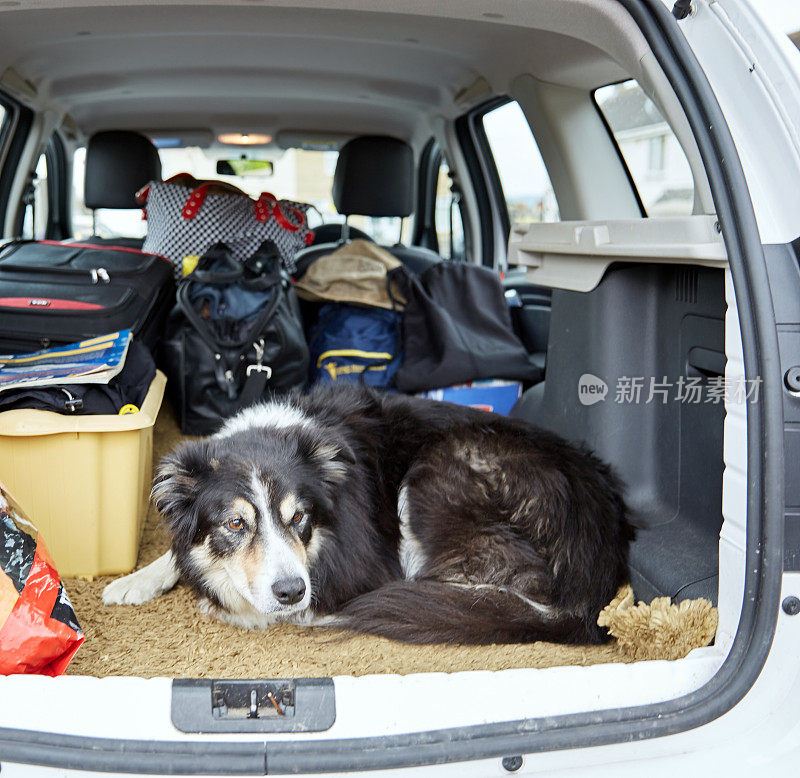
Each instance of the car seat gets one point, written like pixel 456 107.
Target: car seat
pixel 374 177
pixel 118 164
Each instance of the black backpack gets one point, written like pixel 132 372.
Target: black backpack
pixel 235 337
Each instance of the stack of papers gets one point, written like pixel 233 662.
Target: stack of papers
pixel 93 361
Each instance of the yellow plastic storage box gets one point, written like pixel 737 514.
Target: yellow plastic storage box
pixel 84 481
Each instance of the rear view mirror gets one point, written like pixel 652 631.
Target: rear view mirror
pixel 244 167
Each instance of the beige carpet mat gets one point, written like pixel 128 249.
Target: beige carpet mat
pixel 170 637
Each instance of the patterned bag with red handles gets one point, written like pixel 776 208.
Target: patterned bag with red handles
pixel 186 216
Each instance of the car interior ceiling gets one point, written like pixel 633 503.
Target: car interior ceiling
pixel 405 82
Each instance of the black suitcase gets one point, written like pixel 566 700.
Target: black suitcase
pixel 55 293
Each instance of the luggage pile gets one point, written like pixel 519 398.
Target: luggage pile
pixel 380 324
pixel 92 333
pixel 231 332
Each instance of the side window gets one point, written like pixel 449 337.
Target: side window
pixel 523 177
pixel 35 202
pixel 658 167
pixel 447 216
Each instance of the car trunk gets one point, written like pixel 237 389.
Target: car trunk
pixel 656 321
pixel 663 316
pixel 645 301
pixel 124 704
pixel 129 673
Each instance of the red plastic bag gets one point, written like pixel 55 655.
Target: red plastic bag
pixel 39 632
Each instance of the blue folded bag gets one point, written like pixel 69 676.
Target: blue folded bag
pixel 355 345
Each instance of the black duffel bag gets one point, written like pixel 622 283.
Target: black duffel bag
pixel 457 328
pixel 235 337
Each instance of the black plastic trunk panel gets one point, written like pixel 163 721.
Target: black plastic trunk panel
pixel 659 322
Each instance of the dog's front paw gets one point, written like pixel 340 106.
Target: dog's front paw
pixel 128 590
pixel 144 584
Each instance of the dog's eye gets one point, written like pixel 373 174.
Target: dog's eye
pixel 236 524
pixel 298 517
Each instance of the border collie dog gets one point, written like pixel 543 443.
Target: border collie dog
pixel 414 519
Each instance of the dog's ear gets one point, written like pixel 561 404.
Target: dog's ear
pixel 175 487
pixel 332 455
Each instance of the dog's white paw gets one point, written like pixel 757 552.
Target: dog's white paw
pixel 129 590
pixel 143 585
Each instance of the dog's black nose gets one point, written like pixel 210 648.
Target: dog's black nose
pixel 289 590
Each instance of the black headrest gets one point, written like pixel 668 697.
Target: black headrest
pixel 118 164
pixel 374 177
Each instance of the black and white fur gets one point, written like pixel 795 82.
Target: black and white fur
pixel 418 520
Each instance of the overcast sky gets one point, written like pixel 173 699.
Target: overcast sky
pixel 784 13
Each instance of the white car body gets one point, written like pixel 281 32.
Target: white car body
pixel 755 76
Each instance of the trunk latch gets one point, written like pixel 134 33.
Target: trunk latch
pixel 269 705
pixel 252 700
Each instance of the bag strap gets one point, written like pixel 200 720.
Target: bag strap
pixel 255 383
pixel 195 201
pixel 218 253
pixel 194 318
pixel 268 205
pixel 256 379
pixel 198 195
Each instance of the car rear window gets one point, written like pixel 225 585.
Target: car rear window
pixel 656 162
pixel 297 174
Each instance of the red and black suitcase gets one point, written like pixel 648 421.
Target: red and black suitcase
pixel 54 293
